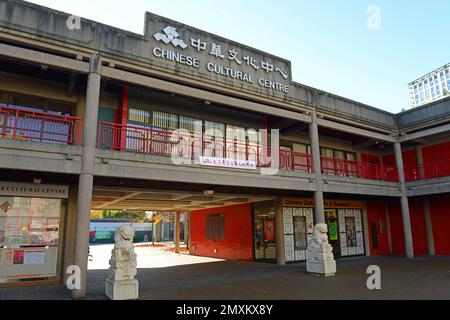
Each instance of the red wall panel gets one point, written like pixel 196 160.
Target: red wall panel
pixel 440 217
pixel 370 158
pixel 418 227
pixel 431 155
pixel 238 243
pixel 396 223
pixel 409 163
pixel 436 152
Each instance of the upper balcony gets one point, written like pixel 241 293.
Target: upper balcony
pixel 59 138
pixel 30 125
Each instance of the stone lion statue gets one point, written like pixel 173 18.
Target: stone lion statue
pixel 124 237
pixel 319 245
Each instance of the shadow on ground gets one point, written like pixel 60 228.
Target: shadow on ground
pixel 421 278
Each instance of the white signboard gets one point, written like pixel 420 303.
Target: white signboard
pixel 228 163
pixel 33 190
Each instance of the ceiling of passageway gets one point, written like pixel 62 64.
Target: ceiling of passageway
pixel 110 198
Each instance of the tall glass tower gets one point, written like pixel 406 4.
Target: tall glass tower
pixel 431 87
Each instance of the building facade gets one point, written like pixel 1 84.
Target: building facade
pixel 432 87
pixel 180 120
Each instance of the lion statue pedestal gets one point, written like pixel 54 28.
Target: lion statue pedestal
pixel 319 256
pixel 120 282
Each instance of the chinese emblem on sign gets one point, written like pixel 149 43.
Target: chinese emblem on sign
pixel 5 206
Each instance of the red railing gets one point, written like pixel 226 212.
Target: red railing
pixel 357 169
pixel 430 170
pixel 22 124
pixel 190 145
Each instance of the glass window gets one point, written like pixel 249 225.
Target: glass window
pixel 165 120
pixel 300 233
pixel 29 238
pixel 213 139
pixel 236 143
pixel 139 115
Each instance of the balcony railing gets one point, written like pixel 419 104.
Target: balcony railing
pixel 430 170
pixel 22 124
pixel 358 169
pixel 161 142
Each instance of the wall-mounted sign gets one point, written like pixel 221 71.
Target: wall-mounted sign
pixel 33 190
pixel 227 163
pixel 309 203
pixel 201 54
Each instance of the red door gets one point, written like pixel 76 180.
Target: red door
pixel 377 226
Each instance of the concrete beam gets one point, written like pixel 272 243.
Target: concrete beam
pixel 40 58
pixel 111 203
pixel 357 131
pixel 425 133
pixel 184 90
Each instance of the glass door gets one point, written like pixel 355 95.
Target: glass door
pixel 264 233
pixel 333 231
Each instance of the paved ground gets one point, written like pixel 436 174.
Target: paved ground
pixel 209 279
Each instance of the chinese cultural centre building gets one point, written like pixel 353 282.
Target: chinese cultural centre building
pixel 181 120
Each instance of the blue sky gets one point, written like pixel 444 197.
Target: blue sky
pixel 327 41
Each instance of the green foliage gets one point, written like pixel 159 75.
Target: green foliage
pixel 136 216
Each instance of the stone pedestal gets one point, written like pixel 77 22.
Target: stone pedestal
pixel 319 256
pixel 120 282
pixel 122 290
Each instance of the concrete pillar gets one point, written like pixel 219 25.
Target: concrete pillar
pixel 85 184
pixel 319 212
pixel 279 232
pixel 388 224
pixel 366 231
pixel 70 230
pixel 176 231
pixel 419 157
pixel 404 202
pixel 429 227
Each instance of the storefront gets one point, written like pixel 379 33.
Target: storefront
pixel 31 232
pixel 345 227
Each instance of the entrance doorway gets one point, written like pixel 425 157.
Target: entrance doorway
pixel 331 219
pixel 378 233
pixel 264 232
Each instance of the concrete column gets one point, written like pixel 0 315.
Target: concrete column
pixel 419 157
pixel 176 231
pixel 388 224
pixel 85 184
pixel 429 227
pixel 279 232
pixel 404 202
pixel 366 231
pixel 69 231
pixel 319 212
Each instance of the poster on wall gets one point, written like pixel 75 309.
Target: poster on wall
pixel 18 256
pixel 269 230
pixel 333 230
pixel 34 257
pixel 6 257
pixel 350 227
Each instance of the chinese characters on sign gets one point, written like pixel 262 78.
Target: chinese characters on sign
pixel 224 60
pixel 228 163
